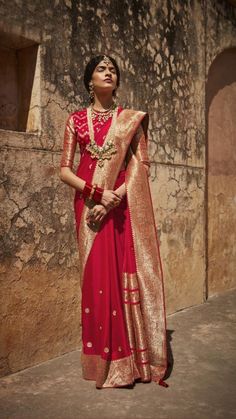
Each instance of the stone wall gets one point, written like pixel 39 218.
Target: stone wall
pixel 164 50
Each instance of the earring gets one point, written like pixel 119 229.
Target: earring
pixel 91 91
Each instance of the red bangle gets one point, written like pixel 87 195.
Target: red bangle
pixel 97 196
pixel 92 191
pixel 87 190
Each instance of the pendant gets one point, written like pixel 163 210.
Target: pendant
pixel 101 153
pixel 105 151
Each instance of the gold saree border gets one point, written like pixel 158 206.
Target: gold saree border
pixel 69 144
pixel 148 262
pixel 135 325
pixel 127 123
pixel 109 373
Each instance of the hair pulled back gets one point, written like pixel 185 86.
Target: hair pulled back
pixel 92 64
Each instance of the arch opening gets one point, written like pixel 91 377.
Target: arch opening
pixel 221 173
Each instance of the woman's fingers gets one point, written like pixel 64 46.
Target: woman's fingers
pixel 115 199
pixel 97 213
pixel 110 198
pixel 98 218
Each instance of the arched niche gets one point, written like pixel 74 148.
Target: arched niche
pixel 221 173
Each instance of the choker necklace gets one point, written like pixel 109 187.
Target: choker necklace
pixel 108 148
pixel 103 116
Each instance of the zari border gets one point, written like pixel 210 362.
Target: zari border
pixel 126 126
pixel 135 324
pixel 148 264
pixel 117 373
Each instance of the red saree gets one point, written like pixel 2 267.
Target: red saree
pixel 123 311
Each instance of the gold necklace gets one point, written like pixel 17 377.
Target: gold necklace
pixel 103 116
pixel 108 148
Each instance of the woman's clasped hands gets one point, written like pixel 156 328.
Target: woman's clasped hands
pixel 110 199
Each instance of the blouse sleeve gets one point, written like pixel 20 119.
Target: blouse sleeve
pixel 69 144
pixel 139 145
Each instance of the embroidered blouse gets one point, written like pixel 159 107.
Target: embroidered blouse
pixel 76 131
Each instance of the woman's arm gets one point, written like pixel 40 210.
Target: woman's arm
pixel 109 198
pixel 68 177
pixel 121 190
pixel 67 158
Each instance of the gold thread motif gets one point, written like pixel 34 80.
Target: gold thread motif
pixel 108 373
pixel 69 144
pixel 148 261
pixel 135 326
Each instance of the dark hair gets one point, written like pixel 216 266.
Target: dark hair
pixel 92 64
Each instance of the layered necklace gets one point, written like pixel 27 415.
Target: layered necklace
pixel 103 116
pixel 108 148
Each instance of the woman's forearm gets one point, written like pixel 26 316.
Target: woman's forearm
pixel 122 188
pixel 68 177
pixel 121 191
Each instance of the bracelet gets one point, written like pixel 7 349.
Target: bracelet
pixel 92 191
pixel 97 195
pixel 87 190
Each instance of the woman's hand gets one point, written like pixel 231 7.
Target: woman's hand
pixel 110 199
pixel 96 214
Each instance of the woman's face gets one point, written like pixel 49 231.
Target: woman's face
pixel 104 77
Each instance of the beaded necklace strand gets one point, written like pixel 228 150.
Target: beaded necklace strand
pixel 108 148
pixel 103 116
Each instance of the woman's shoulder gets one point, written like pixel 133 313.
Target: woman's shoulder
pixel 79 112
pixel 77 115
pixel 132 110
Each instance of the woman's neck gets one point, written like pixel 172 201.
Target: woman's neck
pixel 103 103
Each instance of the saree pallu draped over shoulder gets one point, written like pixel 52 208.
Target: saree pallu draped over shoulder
pixel 140 291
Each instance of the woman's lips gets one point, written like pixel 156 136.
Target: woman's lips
pixel 108 80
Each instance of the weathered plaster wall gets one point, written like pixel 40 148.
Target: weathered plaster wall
pixel 161 47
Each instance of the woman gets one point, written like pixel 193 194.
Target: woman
pixel 123 312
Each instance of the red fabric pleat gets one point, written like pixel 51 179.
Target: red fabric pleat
pixel 103 325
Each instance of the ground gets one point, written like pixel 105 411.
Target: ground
pixel 202 382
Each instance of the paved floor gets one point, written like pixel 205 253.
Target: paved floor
pixel 202 381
